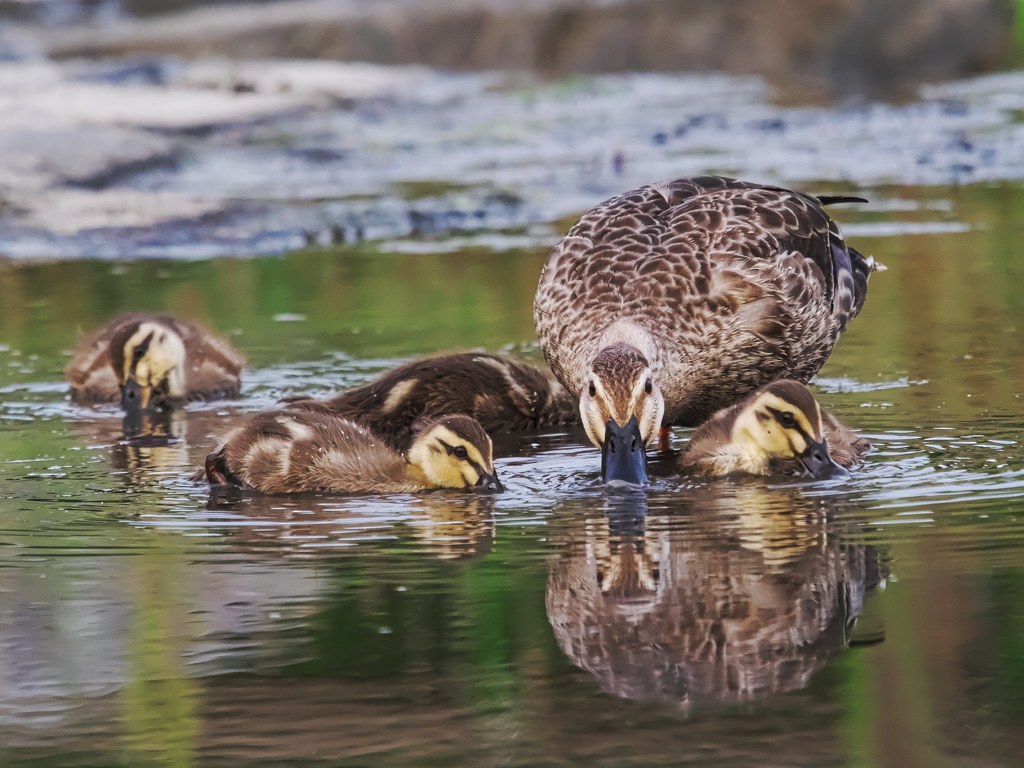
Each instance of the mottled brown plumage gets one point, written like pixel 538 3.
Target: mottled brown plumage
pixel 721 285
pixel 310 449
pixel 723 445
pixel 501 394
pixel 211 367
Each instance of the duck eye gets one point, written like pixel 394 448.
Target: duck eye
pixel 592 390
pixel 787 420
pixel 648 387
pixel 460 452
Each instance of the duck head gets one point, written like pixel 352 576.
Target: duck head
pixel 621 406
pixel 783 421
pixel 455 452
pixel 149 362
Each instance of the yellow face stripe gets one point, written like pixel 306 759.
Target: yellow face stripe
pixel 772 401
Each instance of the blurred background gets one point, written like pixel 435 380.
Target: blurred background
pixel 340 186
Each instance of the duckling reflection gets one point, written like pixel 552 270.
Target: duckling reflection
pixel 744 596
pixel 454 527
pixel 148 445
pixel 151 442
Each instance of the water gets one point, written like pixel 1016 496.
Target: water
pixel 874 622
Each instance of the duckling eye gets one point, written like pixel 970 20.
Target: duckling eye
pixel 460 452
pixel 592 390
pixel 787 420
pixel 648 387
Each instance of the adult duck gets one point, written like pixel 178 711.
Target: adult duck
pixel 672 301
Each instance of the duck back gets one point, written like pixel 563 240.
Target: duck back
pixel 501 394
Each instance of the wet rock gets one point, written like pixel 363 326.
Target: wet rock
pixel 825 47
pixel 74 138
pixel 425 157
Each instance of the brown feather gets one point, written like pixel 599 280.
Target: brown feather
pixel 501 394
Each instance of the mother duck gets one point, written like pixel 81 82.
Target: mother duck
pixel 670 302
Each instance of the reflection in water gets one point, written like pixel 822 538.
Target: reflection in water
pixel 750 593
pixel 149 448
pixel 450 525
pixel 159 699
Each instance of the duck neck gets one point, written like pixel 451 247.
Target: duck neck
pixel 416 475
pixel 744 449
pixel 414 461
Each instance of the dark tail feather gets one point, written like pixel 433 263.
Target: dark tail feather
pixel 833 199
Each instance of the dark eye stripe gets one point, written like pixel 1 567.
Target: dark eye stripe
pixel 141 349
pixel 451 452
pixel 797 425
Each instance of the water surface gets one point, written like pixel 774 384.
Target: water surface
pixel 874 622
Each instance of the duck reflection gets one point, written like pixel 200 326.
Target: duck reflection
pixel 147 446
pixel 450 526
pixel 151 442
pixel 739 597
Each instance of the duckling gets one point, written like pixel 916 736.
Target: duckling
pixel 672 301
pixel 149 361
pixel 310 449
pixel 778 430
pixel 501 394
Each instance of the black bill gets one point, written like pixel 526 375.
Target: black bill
pixel 134 396
pixel 489 483
pixel 819 463
pixel 623 454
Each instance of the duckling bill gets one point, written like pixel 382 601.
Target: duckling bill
pixel 309 449
pixel 778 430
pixel 151 362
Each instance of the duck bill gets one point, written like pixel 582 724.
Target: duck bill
pixel 134 396
pixel 623 454
pixel 819 463
pixel 489 482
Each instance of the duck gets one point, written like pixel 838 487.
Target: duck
pixel 501 394
pixel 778 430
pixel 312 450
pixel 672 301
pixel 151 362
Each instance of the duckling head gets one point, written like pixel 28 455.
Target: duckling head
pixel 783 421
pixel 622 407
pixel 149 362
pixel 454 452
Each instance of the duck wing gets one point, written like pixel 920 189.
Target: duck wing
pixel 305 448
pixel 213 366
pixel 502 394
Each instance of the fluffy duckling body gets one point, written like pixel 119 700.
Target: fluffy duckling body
pixel 153 362
pixel 313 450
pixel 672 301
pixel 778 430
pixel 501 394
